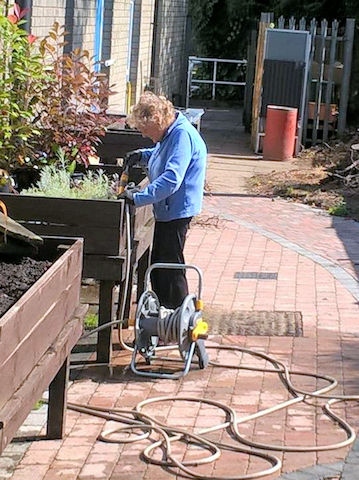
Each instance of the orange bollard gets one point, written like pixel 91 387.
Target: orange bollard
pixel 280 133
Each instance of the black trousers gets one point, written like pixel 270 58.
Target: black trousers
pixel 170 285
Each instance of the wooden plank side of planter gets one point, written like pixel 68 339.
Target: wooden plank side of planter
pixel 63 210
pixel 116 143
pixel 13 414
pixel 19 321
pixel 104 267
pixel 141 242
pixel 96 239
pixel 31 347
pixel 144 223
pixel 97 221
pixel 28 321
pixel 144 218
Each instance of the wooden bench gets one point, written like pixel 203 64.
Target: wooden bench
pixel 37 335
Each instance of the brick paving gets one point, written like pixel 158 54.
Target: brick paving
pixel 315 257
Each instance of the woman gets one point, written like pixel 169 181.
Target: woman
pixel 176 168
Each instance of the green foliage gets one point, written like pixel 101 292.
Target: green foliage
pixel 340 210
pixel 61 183
pixel 73 103
pixel 39 404
pixel 50 101
pixel 311 9
pixel 221 27
pixel 21 76
pixel 91 321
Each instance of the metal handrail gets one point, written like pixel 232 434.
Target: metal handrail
pixel 193 61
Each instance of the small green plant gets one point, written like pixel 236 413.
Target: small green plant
pixel 339 210
pixel 61 183
pixel 289 191
pixel 91 321
pixel 39 404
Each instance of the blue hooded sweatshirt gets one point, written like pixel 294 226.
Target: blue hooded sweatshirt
pixel 176 169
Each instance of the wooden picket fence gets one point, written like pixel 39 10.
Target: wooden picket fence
pixel 328 79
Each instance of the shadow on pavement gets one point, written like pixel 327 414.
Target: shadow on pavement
pixel 224 132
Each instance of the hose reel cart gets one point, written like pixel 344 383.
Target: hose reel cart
pixel 157 327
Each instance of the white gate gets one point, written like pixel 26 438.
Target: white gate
pixel 193 83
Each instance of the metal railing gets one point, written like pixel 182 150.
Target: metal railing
pixel 193 83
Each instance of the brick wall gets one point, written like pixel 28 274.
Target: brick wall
pixel 116 39
pixel 83 25
pixel 171 54
pixel 141 47
pixel 163 69
pixel 79 17
pixel 45 13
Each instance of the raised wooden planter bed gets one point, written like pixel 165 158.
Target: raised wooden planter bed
pixel 119 140
pixel 101 223
pixel 37 335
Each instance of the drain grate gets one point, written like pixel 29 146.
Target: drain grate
pixel 256 275
pixel 262 323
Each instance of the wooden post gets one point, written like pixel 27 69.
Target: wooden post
pixel 143 264
pixel 347 66
pixel 319 89
pixel 104 342
pixel 313 32
pixel 257 88
pixel 248 90
pixel 328 93
pixel 57 403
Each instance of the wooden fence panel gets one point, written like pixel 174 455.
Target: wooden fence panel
pixel 328 81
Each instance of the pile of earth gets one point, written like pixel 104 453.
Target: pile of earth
pixel 325 176
pixel 16 276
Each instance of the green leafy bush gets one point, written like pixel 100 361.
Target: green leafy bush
pixel 72 107
pixel 21 75
pixel 50 101
pixel 339 210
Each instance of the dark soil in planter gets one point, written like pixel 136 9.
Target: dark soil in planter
pixel 18 274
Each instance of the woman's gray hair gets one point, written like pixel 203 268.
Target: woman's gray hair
pixel 151 108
